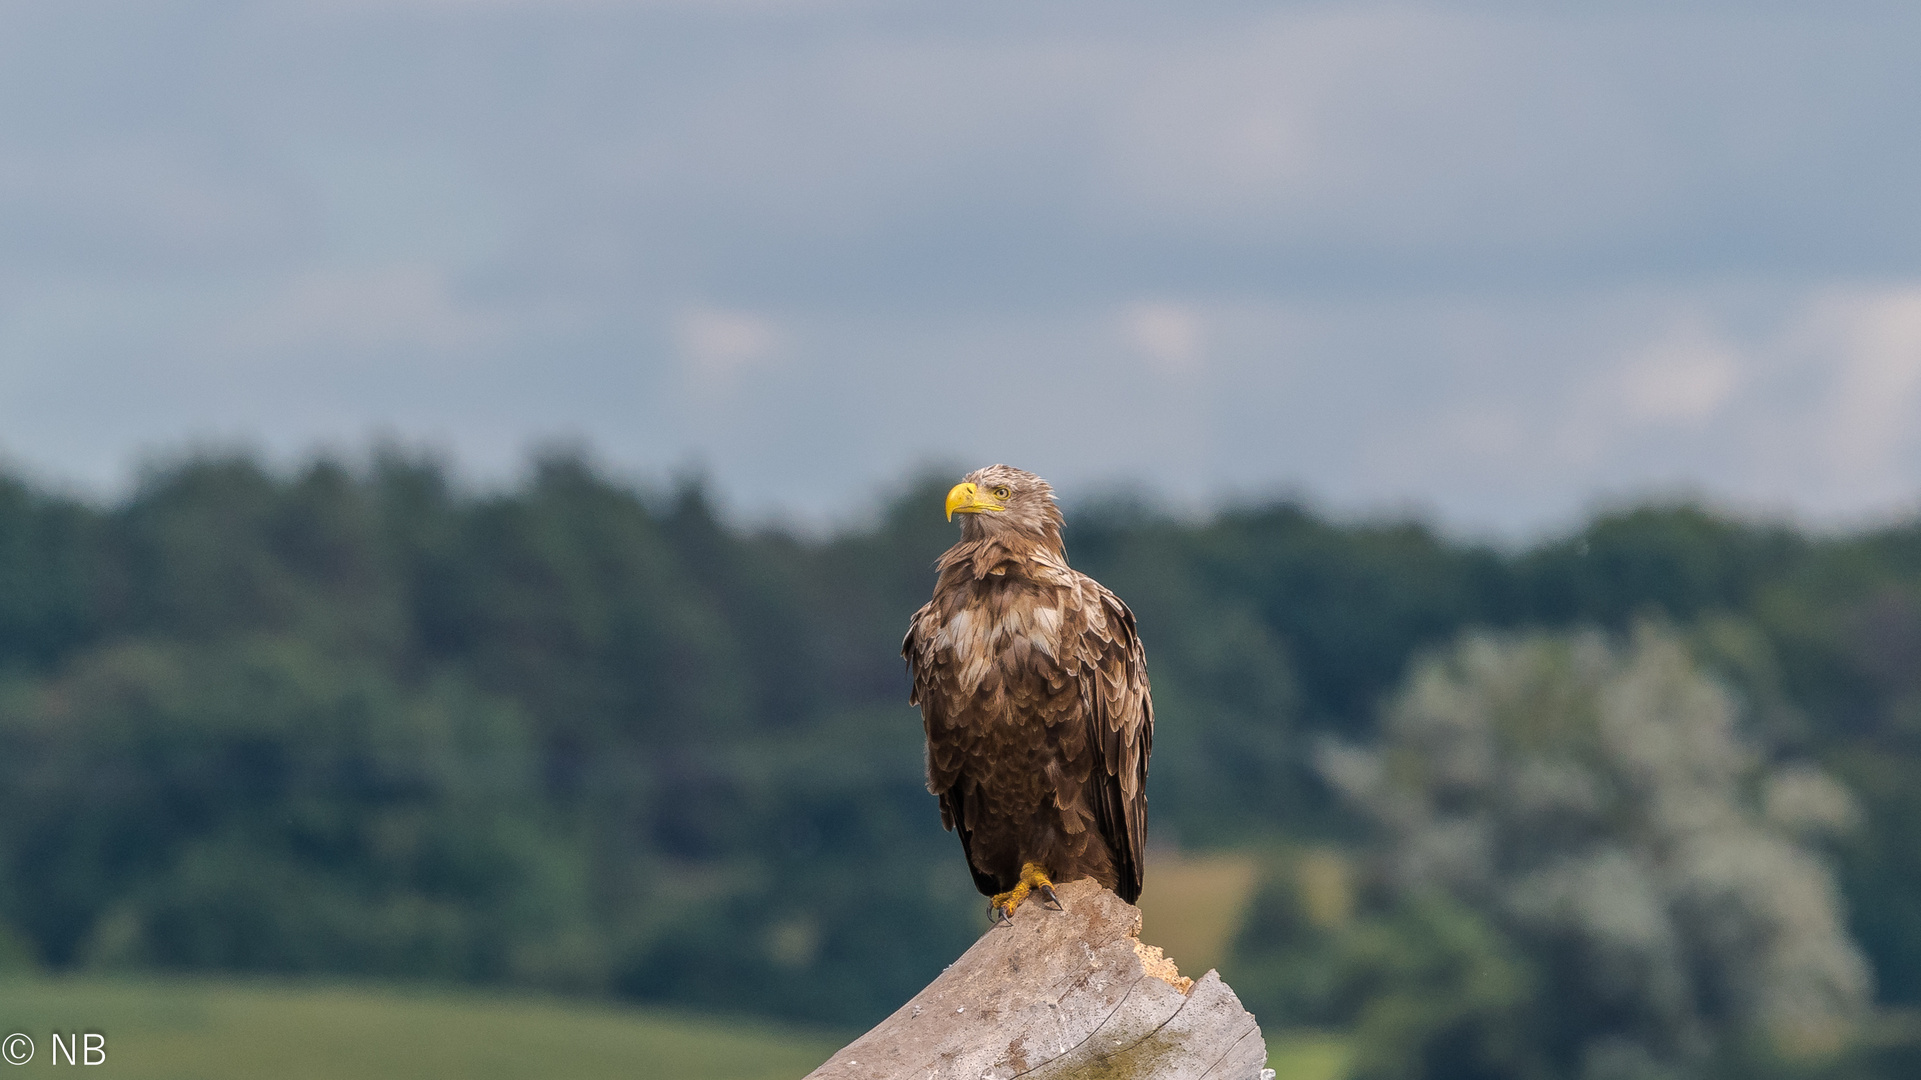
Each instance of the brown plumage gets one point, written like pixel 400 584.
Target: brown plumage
pixel 1032 686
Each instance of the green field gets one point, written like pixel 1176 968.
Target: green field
pixel 195 1029
pixel 1307 1055
pixel 208 1030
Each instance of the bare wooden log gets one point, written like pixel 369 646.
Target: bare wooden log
pixel 1057 995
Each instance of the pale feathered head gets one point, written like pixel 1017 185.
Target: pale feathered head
pixel 1000 501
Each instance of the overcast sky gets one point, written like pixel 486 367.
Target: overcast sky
pixel 1496 262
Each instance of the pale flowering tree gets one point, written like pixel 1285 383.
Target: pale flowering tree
pixel 1596 804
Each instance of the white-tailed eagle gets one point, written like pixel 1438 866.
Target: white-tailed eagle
pixel 1032 685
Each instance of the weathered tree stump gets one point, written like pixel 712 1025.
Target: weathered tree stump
pixel 1062 994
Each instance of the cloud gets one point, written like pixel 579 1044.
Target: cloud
pixel 1683 378
pixel 1170 337
pixel 718 345
pixel 1869 342
pixel 381 308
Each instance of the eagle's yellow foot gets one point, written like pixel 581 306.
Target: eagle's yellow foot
pixel 1034 879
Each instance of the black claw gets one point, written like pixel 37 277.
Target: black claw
pixel 996 916
pixel 1053 901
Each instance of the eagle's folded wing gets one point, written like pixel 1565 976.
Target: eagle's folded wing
pixel 1120 715
pixel 943 753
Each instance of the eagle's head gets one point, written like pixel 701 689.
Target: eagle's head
pixel 1002 501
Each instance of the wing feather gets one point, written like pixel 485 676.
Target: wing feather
pixel 1116 698
pixel 943 755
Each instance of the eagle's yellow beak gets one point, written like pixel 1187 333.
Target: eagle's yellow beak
pixel 966 499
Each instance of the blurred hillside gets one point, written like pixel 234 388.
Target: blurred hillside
pixel 576 736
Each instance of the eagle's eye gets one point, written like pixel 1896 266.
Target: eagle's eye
pixel 1000 493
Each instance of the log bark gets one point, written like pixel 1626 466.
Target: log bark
pixel 1063 994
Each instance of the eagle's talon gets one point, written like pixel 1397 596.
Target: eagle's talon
pixel 1004 904
pixel 1033 880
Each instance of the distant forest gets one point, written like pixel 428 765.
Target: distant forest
pixel 357 719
